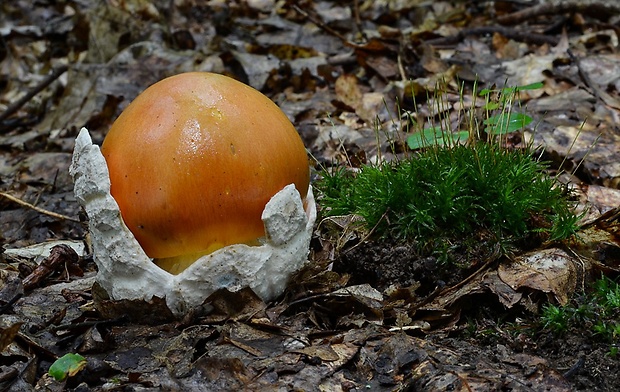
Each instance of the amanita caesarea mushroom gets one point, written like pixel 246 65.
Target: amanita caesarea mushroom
pixel 208 177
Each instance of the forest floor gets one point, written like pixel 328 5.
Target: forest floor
pixel 356 78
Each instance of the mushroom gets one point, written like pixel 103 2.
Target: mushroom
pixel 193 161
pixel 206 175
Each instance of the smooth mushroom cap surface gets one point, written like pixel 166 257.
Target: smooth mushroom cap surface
pixel 195 158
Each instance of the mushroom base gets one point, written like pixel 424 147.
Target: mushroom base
pixel 126 273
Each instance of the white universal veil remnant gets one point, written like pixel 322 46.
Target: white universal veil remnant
pixel 127 273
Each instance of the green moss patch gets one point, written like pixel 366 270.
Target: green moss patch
pixel 443 196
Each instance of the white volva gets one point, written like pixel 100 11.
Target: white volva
pixel 127 273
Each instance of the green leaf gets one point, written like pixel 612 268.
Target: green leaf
pixel 532 86
pixel 460 136
pixel 504 123
pixel 507 92
pixel 511 90
pixel 425 138
pixel 435 136
pixel 491 105
pixel 67 365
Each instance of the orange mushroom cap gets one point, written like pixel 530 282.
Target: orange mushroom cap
pixel 195 158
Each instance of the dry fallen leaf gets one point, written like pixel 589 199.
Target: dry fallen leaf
pixel 7 335
pixel 549 270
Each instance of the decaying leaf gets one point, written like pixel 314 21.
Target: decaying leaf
pixel 11 289
pixel 7 335
pixel 551 271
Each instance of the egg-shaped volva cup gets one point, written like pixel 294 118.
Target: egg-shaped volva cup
pixel 126 273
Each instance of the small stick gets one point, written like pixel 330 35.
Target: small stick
pixel 10 303
pixel 537 39
pixel 86 324
pixel 589 7
pixel 37 89
pixel 358 19
pixel 59 255
pixel 328 29
pixel 38 209
pixel 600 94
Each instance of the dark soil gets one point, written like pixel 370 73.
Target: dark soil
pixel 388 262
pixel 486 330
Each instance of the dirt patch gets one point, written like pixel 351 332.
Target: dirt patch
pixel 392 263
pixel 486 330
pixel 582 361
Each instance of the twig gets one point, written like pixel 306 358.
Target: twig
pixel 588 7
pixel 87 324
pixel 37 89
pixel 328 29
pixel 11 302
pixel 601 95
pixel 59 255
pixel 38 209
pixel 576 366
pixel 533 38
pixel 358 19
